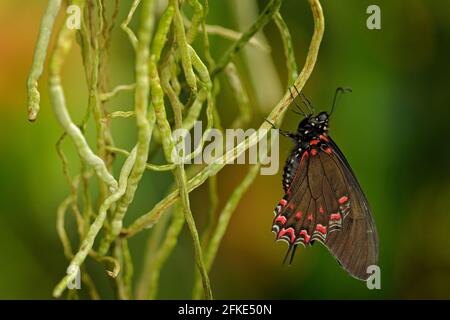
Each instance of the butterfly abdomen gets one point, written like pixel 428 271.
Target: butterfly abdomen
pixel 290 168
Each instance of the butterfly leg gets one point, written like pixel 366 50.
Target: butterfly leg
pixel 281 131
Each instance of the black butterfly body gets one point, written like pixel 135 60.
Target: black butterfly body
pixel 324 202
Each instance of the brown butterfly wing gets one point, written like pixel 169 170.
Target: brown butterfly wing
pixel 356 245
pixel 324 203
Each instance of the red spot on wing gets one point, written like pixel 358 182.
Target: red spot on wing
pixel 328 150
pixel 281 219
pixel 290 231
pixel 335 216
pixel 291 206
pixel 309 217
pixel 283 202
pixel 343 199
pixel 305 235
pixel 324 138
pixel 321 210
pixel 321 229
pixel 314 142
pixel 298 215
pixel 313 152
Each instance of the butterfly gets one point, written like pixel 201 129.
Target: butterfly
pixel 323 200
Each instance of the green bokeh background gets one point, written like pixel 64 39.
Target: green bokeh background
pixel 394 130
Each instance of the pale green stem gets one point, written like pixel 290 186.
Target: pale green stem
pixel 152 248
pixel 162 30
pixel 62 208
pixel 195 110
pixel 222 223
pixel 87 280
pixel 94 229
pixel 144 124
pixel 183 48
pixel 267 14
pixel 40 54
pixel 63 46
pixel 120 114
pixel 213 193
pixel 206 87
pixel 123 87
pixel 73 185
pixel 168 146
pixel 164 251
pixel 128 266
pixel 123 279
pixel 170 92
pixel 94 100
pixel 111 260
pixel 230 34
pixel 197 18
pixel 241 96
pixel 62 234
pixel 288 48
pixel 148 166
pixel 124 25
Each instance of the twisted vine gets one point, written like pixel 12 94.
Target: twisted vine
pixel 164 60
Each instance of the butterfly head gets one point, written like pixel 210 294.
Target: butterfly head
pixel 320 120
pixel 314 124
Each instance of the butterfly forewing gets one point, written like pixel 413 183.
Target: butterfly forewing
pixel 356 246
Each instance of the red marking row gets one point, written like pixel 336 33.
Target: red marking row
pixel 321 229
pixel 305 235
pixel 290 231
pixel 281 219
pixel 343 199
pixel 313 152
pixel 314 142
pixel 335 216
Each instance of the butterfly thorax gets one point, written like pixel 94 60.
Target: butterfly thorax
pixel 311 135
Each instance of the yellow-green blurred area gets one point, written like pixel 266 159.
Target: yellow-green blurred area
pixel 393 129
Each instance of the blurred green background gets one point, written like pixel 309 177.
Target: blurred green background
pixel 393 128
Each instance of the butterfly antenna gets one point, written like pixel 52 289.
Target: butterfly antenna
pixel 303 113
pixel 292 255
pixel 287 254
pixel 337 94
